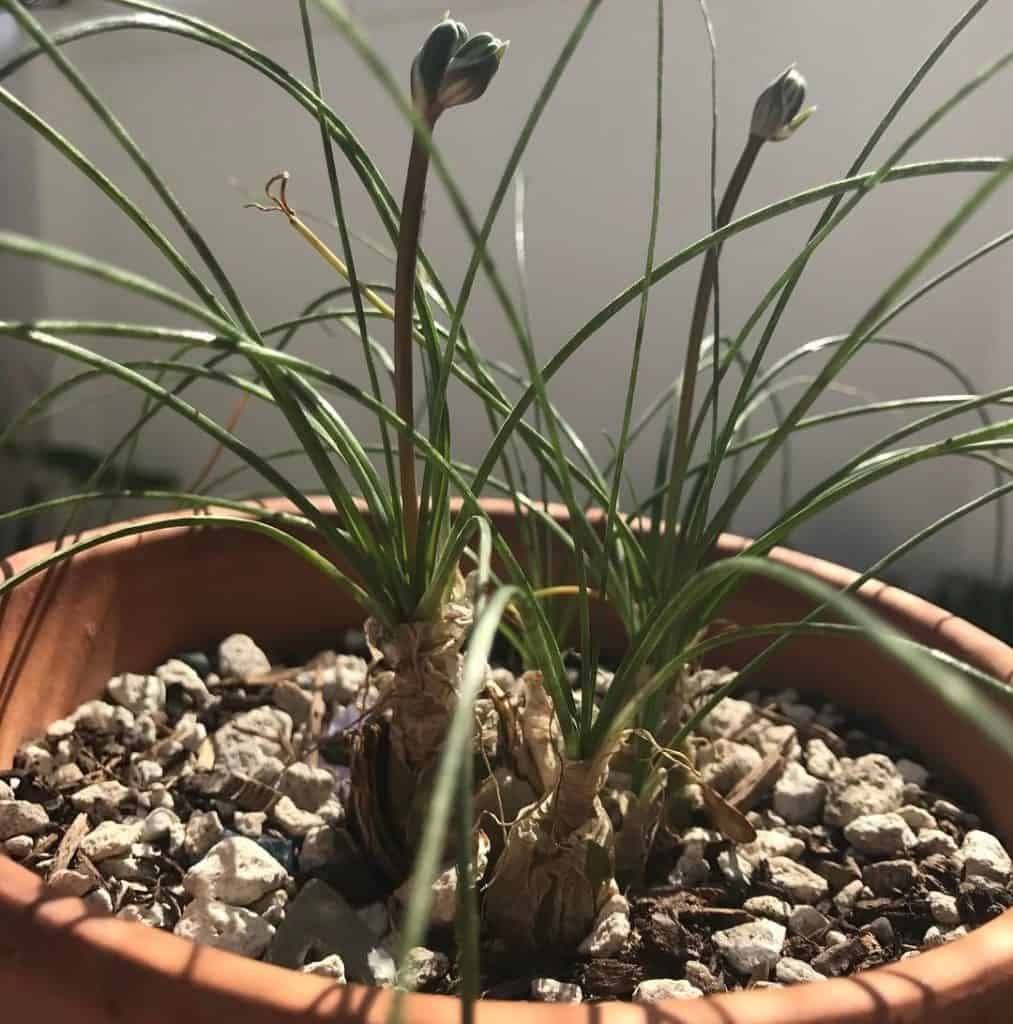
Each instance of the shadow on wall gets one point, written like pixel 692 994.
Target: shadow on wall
pixel 977 599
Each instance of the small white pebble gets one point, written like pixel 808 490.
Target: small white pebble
pixel 100 901
pixel 657 989
pixel 239 656
pixel 294 820
pixel 820 760
pixel 424 966
pixel 799 796
pixel 59 730
pixel 102 799
pixel 36 760
pixel 790 971
pixel 944 908
pixel 849 895
pixel 880 835
pixel 935 936
pixel 611 929
pixel 934 840
pixel 21 818
pixel 141 695
pixel 332 967
pixel 548 990
pixel 807 922
pixel 203 830
pixel 144 774
pixel 273 907
pixel 154 915
pixel 250 823
pixel 984 856
pixel 110 839
pixel 66 776
pixel 102 718
pixel 917 817
pixel 768 906
pixel 145 732
pixel 71 883
pixel 160 823
pixel 19 847
pixel 234 929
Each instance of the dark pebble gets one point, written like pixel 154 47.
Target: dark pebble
pixel 943 810
pixel 511 988
pixel 882 931
pixel 839 960
pixel 665 939
pixel 941 870
pixel 914 794
pixel 281 849
pixel 176 702
pixel 980 900
pixel 198 661
pixel 354 642
pixel 838 875
pixel 890 876
pixel 351 874
pixel 226 811
pixel 836 961
pixel 859 743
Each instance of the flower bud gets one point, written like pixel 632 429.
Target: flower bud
pixel 778 111
pixel 452 68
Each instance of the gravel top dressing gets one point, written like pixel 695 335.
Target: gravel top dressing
pixel 209 799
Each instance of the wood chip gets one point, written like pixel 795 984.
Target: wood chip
pixel 807 730
pixel 315 727
pixel 611 979
pixel 761 779
pixel 206 756
pixel 71 840
pixel 44 844
pixel 714 918
pixel 264 679
pixel 88 867
pixel 664 938
pixel 248 794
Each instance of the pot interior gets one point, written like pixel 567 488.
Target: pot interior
pixel 131 604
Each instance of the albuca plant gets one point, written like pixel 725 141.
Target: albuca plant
pixel 408 535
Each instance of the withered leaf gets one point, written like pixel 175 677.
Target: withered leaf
pixel 728 820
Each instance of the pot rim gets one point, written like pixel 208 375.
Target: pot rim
pixel 134 956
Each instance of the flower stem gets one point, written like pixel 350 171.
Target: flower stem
pixel 705 288
pixel 404 294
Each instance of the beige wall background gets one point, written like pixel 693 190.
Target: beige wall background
pixel 217 131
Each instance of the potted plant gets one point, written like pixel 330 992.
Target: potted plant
pixel 435 566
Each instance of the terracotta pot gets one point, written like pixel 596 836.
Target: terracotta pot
pixel 131 603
